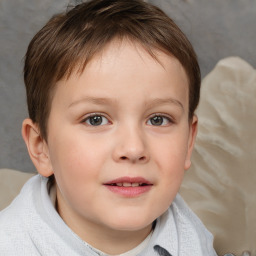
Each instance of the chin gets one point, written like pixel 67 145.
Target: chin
pixel 130 222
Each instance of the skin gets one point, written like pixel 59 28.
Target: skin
pixel 125 88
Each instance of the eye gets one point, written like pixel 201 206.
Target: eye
pixel 159 120
pixel 96 120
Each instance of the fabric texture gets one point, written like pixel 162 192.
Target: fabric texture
pixel 11 182
pixel 220 185
pixel 31 226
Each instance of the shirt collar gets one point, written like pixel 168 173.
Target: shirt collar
pixel 164 237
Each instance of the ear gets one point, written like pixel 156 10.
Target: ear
pixel 191 141
pixel 37 147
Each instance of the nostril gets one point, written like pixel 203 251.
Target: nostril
pixel 142 158
pixel 133 159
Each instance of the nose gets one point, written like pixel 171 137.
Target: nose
pixel 131 146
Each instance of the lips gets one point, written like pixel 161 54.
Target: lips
pixel 129 186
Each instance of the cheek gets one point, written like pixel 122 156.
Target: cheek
pixel 170 153
pixel 76 152
pixel 76 169
pixel 76 162
pixel 170 156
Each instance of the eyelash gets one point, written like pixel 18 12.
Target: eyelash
pixel 167 119
pixel 94 115
pixel 164 118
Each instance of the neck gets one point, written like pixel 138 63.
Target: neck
pixel 117 242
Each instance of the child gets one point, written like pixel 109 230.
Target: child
pixel 112 86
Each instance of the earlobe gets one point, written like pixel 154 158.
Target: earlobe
pixel 191 141
pixel 37 147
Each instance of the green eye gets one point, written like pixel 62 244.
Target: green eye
pixel 96 120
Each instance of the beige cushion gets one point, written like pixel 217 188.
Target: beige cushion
pixel 11 182
pixel 221 184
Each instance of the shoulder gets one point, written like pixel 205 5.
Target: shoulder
pixel 23 199
pixel 21 205
pixel 190 227
pixel 186 218
pixel 15 219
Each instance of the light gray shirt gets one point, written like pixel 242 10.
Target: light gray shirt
pixel 32 226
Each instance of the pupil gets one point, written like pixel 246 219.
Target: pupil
pixel 95 120
pixel 157 120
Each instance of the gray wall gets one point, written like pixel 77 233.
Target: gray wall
pixel 216 28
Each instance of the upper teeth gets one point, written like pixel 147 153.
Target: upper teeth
pixel 128 184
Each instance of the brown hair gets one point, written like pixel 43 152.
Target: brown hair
pixel 69 41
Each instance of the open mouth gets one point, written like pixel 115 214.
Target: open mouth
pixel 128 184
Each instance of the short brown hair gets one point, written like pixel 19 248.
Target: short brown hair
pixel 70 40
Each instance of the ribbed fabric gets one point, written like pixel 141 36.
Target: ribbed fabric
pixel 31 226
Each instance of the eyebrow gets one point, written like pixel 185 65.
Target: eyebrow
pixel 106 101
pixel 167 101
pixel 94 100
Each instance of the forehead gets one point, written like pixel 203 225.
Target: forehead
pixel 127 52
pixel 118 46
pixel 123 63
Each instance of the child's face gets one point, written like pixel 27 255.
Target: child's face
pixel 119 139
